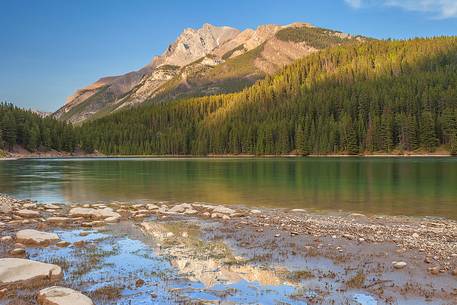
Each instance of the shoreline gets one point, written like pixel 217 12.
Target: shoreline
pixel 381 257
pixel 209 157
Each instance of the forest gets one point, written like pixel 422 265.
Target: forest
pixel 375 96
pixel 33 132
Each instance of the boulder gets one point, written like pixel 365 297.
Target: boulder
pixel 62 296
pixel 93 213
pixel 28 213
pixel 19 271
pixel 35 237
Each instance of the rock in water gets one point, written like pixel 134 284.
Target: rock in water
pixel 28 213
pixel 62 296
pixel 18 271
pixel 399 265
pixel 93 213
pixel 223 210
pixel 35 237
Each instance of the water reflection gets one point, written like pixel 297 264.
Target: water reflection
pixel 415 186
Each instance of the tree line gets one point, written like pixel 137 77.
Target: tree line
pixel 33 132
pixel 375 96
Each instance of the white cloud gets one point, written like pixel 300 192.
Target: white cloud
pixel 438 8
pixel 354 3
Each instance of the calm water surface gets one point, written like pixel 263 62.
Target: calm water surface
pixel 408 186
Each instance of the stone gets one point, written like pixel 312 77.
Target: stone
pixel 180 208
pixel 357 215
pixel 139 283
pixel 58 220
pixel 35 237
pixel 454 272
pixel 79 244
pixel 298 210
pixel 62 244
pixel 225 217
pixel 62 296
pixel 84 233
pixel 256 211
pixel 399 265
pixel 5 208
pixel 223 210
pixel 415 235
pixel 18 251
pixel 6 239
pixel 28 213
pixel 152 206
pixel 434 270
pixel 29 205
pixel 52 206
pixel 19 271
pixel 93 213
pixel 190 212
pixel 113 219
pixel 169 234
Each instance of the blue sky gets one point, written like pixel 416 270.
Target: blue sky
pixel 49 48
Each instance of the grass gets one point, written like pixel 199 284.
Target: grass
pixel 357 281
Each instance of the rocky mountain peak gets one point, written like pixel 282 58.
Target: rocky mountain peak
pixel 193 44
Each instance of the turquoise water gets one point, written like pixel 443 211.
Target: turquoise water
pixel 407 186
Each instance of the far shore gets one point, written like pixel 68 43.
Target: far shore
pixel 222 156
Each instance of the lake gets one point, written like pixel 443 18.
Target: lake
pixel 406 186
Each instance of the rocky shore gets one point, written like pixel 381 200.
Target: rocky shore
pixel 68 254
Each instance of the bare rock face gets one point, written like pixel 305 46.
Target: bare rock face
pixel 20 271
pixel 194 44
pixel 191 45
pixel 62 296
pixel 34 237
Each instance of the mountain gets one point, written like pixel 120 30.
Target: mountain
pixel 367 97
pixel 209 60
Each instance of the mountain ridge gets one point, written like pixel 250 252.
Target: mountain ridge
pixel 208 60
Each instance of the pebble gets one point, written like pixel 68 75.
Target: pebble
pixel 17 251
pixel 434 270
pixel 6 239
pixel 84 233
pixel 62 244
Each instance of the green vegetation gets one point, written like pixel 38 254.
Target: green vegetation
pixel 316 37
pixel 25 128
pixel 376 96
